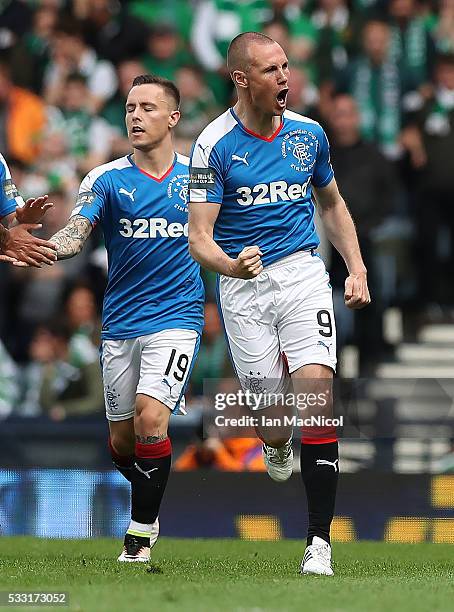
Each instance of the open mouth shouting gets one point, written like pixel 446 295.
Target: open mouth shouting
pixel 281 98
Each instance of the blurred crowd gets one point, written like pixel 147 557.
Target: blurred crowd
pixel 378 75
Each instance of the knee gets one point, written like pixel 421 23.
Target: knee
pixel 151 416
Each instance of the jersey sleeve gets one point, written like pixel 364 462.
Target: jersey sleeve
pixel 206 175
pixel 91 199
pixel 323 171
pixel 9 196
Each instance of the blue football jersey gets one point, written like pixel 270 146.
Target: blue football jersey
pixel 153 283
pixel 264 185
pixel 9 197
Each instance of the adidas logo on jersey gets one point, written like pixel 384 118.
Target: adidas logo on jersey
pixel 152 228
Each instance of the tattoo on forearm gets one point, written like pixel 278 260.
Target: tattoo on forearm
pixel 151 439
pixel 70 240
pixel 3 237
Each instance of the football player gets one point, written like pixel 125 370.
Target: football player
pixel 255 171
pixel 153 305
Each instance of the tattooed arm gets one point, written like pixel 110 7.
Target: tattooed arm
pixel 3 237
pixel 70 240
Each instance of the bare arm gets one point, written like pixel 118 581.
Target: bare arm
pixel 70 240
pixel 203 248
pixel 341 232
pixel 411 139
pixel 3 237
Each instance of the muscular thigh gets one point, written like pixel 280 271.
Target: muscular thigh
pixel 167 358
pixel 120 364
pixel 307 331
pixel 252 337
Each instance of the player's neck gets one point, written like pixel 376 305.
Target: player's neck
pixel 254 120
pixel 156 161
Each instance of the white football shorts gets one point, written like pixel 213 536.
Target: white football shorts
pixel 158 365
pixel 279 321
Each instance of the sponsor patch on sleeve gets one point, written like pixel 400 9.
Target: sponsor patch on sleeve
pixel 10 189
pixel 86 198
pixel 201 178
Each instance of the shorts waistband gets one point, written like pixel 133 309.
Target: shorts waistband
pixel 289 259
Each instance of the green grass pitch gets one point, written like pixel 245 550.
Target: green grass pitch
pixel 231 575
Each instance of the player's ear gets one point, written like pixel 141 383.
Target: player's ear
pixel 174 118
pixel 239 78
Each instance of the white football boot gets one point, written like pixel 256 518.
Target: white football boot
pixel 317 558
pixel 136 547
pixel 279 461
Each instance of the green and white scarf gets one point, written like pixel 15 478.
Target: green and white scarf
pixel 438 120
pixel 409 47
pixel 377 93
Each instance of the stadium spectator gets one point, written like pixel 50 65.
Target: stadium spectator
pixel 215 23
pixel 56 168
pixel 177 13
pixel 114 111
pixel 16 19
pixel 9 383
pixel 229 455
pixel 65 372
pixel 111 28
pixel 165 51
pixel 303 96
pixel 70 54
pixel 97 19
pixel 429 138
pixel 207 454
pixel 88 137
pixel 198 106
pixel 278 30
pixel 81 312
pixel 30 55
pixel 369 184
pixel 22 119
pixel 330 21
pixel 443 30
pixel 411 43
pixel 373 79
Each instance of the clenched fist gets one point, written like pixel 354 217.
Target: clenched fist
pixel 248 264
pixel 356 293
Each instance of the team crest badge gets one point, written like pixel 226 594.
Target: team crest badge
pixel 301 147
pixel 179 186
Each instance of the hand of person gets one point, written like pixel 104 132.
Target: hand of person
pixel 25 249
pixel 42 349
pixel 33 210
pixel 418 158
pixel 13 261
pixel 356 293
pixel 57 413
pixel 248 264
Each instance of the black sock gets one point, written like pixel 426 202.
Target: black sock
pixel 320 472
pixel 123 463
pixel 149 479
